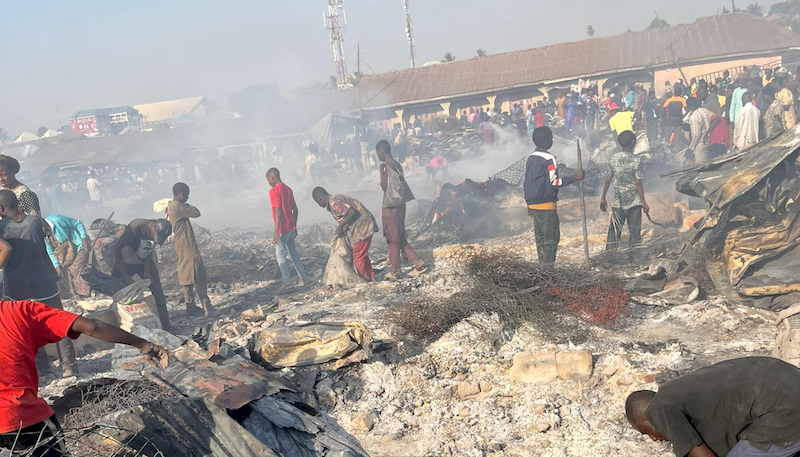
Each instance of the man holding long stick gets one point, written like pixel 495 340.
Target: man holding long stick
pixel 541 194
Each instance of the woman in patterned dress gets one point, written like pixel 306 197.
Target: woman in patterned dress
pixel 28 201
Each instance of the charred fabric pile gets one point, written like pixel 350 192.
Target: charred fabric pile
pixel 462 141
pixel 556 301
pixel 752 226
pixel 212 400
pixel 461 212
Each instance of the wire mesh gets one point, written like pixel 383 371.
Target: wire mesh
pixel 81 430
pixel 556 301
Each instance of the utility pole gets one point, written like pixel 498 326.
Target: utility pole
pixel 335 21
pixel 358 80
pixel 410 34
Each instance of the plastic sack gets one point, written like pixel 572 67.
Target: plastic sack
pixel 133 308
pixel 339 270
pixel 642 144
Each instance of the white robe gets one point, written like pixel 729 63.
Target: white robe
pixel 746 133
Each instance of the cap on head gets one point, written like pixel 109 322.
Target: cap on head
pixel 613 107
pixel 769 91
pixel 163 231
pixel 9 163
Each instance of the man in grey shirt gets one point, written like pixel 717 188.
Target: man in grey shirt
pixel 740 407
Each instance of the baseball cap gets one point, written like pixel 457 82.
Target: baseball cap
pixel 613 106
pixel 163 230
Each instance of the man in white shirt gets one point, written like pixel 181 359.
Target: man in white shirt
pixel 746 133
pixel 93 185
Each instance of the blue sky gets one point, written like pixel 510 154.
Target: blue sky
pixel 91 54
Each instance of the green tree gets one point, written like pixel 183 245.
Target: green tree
pixel 4 136
pixel 755 9
pixel 480 53
pixel 629 31
pixel 657 24
pixel 448 57
pixel 354 79
pixel 333 83
pixel 725 10
pixel 42 130
pixel 590 31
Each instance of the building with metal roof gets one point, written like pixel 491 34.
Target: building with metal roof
pixel 161 112
pixel 710 43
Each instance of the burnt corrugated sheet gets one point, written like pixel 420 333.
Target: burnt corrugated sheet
pixel 186 427
pixel 707 39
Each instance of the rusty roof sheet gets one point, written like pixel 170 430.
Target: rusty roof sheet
pixel 143 147
pixel 707 39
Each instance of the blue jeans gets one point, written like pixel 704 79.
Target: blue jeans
pixel 287 243
pixel 743 449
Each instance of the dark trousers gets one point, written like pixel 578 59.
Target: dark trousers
pixel 716 150
pixel 547 230
pixel 44 439
pixel 155 289
pixel 618 218
pixel 66 350
pixel 652 130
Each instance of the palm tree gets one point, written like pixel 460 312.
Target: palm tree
pixel 354 79
pixel 755 9
pixel 590 31
pixel 479 53
pixel 657 23
pixel 333 83
pixel 448 57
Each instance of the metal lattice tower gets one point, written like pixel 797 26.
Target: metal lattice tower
pixel 410 34
pixel 335 22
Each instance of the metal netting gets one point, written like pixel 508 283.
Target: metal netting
pixel 556 301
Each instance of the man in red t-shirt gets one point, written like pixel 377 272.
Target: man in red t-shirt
pixel 27 423
pixel 284 213
pixel 719 137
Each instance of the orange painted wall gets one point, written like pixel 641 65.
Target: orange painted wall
pixel 693 71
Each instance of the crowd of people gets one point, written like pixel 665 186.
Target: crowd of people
pixel 709 119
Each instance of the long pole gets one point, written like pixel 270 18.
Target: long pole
pixel 583 209
pixel 100 233
pixel 358 81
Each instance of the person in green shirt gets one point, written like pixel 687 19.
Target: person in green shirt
pixel 625 171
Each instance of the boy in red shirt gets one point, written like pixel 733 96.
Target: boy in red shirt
pixel 284 213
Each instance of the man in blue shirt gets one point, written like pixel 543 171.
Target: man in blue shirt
pixel 72 247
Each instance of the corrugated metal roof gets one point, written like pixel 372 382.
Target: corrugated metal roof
pixel 707 39
pixel 170 109
pixel 91 112
pixel 145 147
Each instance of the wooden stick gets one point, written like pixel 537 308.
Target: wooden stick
pixel 100 233
pixel 583 209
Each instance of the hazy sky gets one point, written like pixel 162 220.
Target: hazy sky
pixel 92 54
